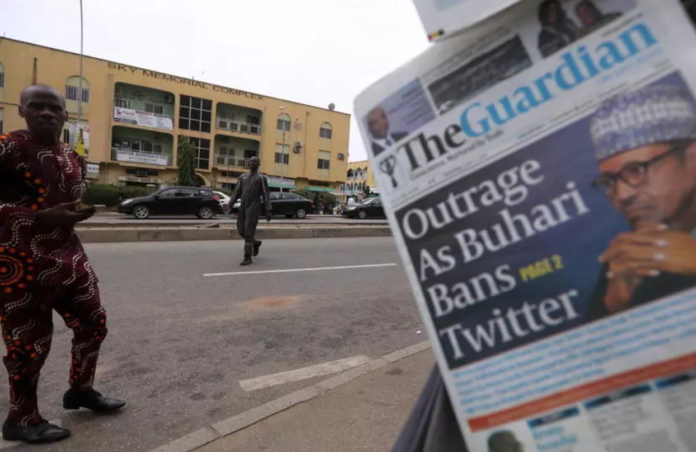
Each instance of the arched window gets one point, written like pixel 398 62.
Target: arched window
pixel 2 76
pixel 72 89
pixel 325 131
pixel 350 173
pixel 284 122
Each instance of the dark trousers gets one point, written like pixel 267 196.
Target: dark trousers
pixel 26 316
pixel 247 220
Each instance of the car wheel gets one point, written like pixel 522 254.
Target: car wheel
pixel 362 214
pixel 206 213
pixel 301 214
pixel 141 212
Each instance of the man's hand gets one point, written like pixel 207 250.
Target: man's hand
pixel 651 251
pixel 268 216
pixel 66 214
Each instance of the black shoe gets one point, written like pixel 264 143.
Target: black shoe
pixel 90 399
pixel 36 434
pixel 257 247
pixel 246 261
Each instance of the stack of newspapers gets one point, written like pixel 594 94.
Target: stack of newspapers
pixel 538 165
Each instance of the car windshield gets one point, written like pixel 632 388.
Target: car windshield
pixel 370 201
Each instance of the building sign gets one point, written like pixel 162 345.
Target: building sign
pixel 181 80
pixel 141 118
pixel 125 155
pixel 92 171
pixel 281 182
pixel 79 137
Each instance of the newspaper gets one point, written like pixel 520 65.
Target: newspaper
pixel 442 18
pixel 541 187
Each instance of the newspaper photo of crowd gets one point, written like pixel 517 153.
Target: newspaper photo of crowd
pixel 479 74
pixel 564 22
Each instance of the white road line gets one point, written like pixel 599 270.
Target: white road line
pixel 298 270
pixel 304 373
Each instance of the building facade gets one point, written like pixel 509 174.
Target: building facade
pixel 135 118
pixel 359 178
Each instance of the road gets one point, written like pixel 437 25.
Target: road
pixel 181 342
pixel 311 219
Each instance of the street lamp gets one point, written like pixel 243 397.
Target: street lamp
pixel 282 109
pixel 82 53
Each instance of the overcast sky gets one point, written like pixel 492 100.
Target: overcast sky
pixel 310 51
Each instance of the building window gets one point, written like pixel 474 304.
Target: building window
pixel 2 76
pixel 202 152
pixel 66 136
pixel 282 154
pixel 326 131
pixel 72 89
pixel 156 109
pixel 324 160
pixel 122 103
pixel 1 119
pixel 195 114
pixel 284 122
pixel 253 120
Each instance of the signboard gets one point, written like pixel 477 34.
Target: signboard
pixel 92 171
pixel 281 182
pixel 124 155
pixel 142 118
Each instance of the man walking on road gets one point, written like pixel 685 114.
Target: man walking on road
pixel 252 188
pixel 43 267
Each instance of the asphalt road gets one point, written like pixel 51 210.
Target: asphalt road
pixel 311 219
pixel 180 343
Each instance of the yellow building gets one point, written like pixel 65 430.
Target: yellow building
pixel 135 116
pixel 358 178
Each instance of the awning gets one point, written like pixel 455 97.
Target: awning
pixel 324 189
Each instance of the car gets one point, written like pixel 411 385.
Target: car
pixel 369 208
pixel 224 201
pixel 288 204
pixel 201 202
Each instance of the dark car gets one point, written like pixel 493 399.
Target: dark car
pixel 201 202
pixel 369 208
pixel 288 204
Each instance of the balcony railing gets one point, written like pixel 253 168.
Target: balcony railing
pixel 146 158
pixel 143 118
pixel 238 126
pixel 223 161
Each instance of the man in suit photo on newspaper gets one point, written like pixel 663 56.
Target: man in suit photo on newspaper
pixel 378 125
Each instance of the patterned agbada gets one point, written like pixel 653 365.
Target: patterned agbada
pixel 42 268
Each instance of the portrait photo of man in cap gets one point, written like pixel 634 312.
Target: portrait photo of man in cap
pixel 645 146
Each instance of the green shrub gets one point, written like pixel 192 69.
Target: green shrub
pixel 111 195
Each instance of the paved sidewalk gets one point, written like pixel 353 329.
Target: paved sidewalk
pixel 365 415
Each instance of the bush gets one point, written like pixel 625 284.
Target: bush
pixel 111 195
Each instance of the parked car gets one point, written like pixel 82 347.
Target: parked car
pixel 369 208
pixel 224 201
pixel 288 204
pixel 201 202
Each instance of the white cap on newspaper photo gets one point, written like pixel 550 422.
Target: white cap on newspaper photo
pixel 655 114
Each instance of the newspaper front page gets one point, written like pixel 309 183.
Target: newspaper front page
pixel 541 186
pixel 442 18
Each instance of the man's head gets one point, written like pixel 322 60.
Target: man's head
pixel 645 142
pixel 550 12
pixel 588 13
pixel 254 163
pixel 43 108
pixel 504 441
pixel 377 123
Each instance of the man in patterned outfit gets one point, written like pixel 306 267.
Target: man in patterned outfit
pixel 43 266
pixel 252 188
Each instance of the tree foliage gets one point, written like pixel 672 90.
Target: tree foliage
pixel 186 161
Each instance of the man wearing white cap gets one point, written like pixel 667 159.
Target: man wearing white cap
pixel 645 143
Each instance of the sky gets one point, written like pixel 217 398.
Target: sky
pixel 310 51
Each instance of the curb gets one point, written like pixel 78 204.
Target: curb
pixel 122 235
pixel 207 435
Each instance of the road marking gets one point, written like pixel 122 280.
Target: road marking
pixel 304 373
pixel 9 444
pixel 298 270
